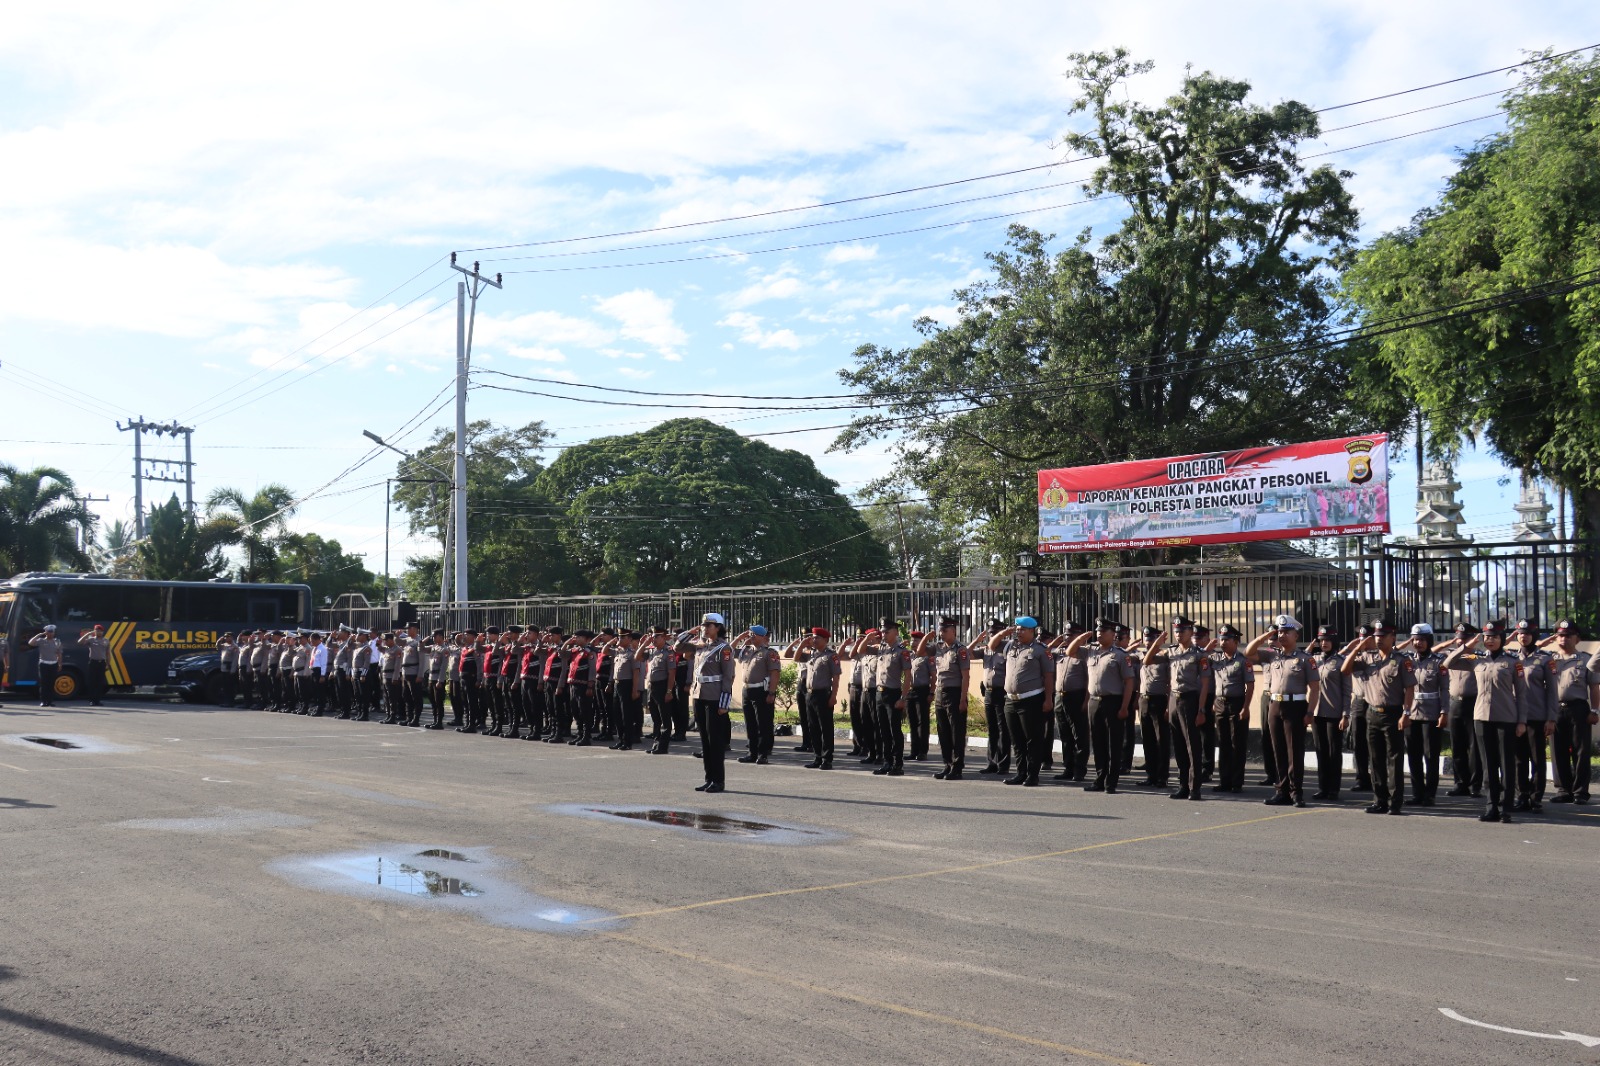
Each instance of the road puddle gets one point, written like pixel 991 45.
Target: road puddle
pixel 712 824
pixel 468 880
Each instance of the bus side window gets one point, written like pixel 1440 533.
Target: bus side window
pixel 35 614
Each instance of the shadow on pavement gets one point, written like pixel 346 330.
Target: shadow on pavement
pixel 22 804
pixel 90 1038
pixel 925 806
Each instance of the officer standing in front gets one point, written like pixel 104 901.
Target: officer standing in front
pixel 100 661
pixel 1071 708
pixel 1575 681
pixel 821 666
pixel 1427 717
pixel 992 689
pixel 1466 764
pixel 893 674
pixel 1030 674
pixel 1330 715
pixel 49 649
pixel 1186 669
pixel 659 663
pixel 1498 716
pixel 1539 694
pixel 710 692
pixel 1111 677
pixel 1290 678
pixel 1390 685
pixel 756 672
pixel 952 663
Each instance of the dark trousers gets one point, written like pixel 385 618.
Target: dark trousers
pixel 818 727
pixel 1269 763
pixel 1208 747
pixel 1156 726
pixel 1360 743
pixel 757 721
pixel 97 681
pixel 1233 736
pixel 680 711
pixel 230 688
pixel 661 714
pixel 994 718
pixel 951 712
pixel 917 702
pixel 1330 755
pixel 1129 732
pixel 1532 762
pixel 1072 724
pixel 858 728
pixel 1106 731
pixel 891 741
pixel 1422 753
pixel 630 715
pixel 247 685
pixel 1466 762
pixel 716 730
pixel 556 719
pixel 870 741
pixel 369 691
pixel 582 699
pixel 1574 740
pixel 1187 738
pixel 411 692
pixel 1496 744
pixel 1386 743
pixel 1286 722
pixel 48 672
pixel 1025 724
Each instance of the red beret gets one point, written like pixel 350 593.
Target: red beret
pixel 818 631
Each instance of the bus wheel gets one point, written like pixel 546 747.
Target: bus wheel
pixel 69 684
pixel 215 691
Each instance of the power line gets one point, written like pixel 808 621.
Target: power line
pixel 963 181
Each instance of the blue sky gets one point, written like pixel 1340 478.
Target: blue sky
pixel 210 195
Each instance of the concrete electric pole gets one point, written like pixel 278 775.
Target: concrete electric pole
pixel 468 289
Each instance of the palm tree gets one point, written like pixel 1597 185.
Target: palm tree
pixel 258 524
pixel 115 553
pixel 40 520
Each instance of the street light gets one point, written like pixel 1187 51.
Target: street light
pixel 444 561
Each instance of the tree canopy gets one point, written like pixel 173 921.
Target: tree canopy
pixel 1517 227
pixel 175 548
pixel 258 524
pixel 310 559
pixel 40 520
pixel 1145 342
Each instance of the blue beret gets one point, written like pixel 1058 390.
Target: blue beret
pixel 1028 623
pixel 758 631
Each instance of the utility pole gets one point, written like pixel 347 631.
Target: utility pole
pixel 905 563
pixel 140 427
pixel 84 501
pixel 471 287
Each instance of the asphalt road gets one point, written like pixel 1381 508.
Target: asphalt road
pixel 187 887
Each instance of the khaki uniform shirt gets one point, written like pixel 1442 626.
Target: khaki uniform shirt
pixel 1499 678
pixel 99 649
pixel 892 664
pixel 1333 692
pixel 1187 667
pixel 1538 688
pixel 947 660
pixel 1026 667
pixel 1387 676
pixel 1432 687
pixel 1110 670
pixel 711 676
pixel 820 669
pixel 1230 674
pixel 1286 674
pixel 1573 677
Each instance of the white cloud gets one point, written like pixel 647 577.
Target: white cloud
pixel 781 284
pixel 892 314
pixel 634 372
pixel 536 353
pixel 618 353
pixel 851 253
pixel 750 331
pixel 647 318
pixel 945 316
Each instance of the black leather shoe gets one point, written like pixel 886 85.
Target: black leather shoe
pixel 814 764
pixel 1277 799
pixel 1459 790
pixel 1505 817
pixel 880 771
pixel 1094 786
pixel 942 774
pixel 1016 779
pixel 702 788
pixel 1377 808
pixel 761 760
pixel 1181 794
pixel 1299 803
pixel 713 788
pixel 894 771
pixel 1561 797
pixel 1032 782
pixel 1067 776
pixel 1490 815
pixel 747 759
pixel 827 765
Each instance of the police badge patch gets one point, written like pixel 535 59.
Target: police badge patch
pixel 1360 461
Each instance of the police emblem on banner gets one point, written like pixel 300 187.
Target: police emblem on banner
pixel 1055 495
pixel 1360 461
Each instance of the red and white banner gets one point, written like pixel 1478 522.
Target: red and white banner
pixel 1327 488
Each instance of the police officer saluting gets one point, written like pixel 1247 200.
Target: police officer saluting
pixel 1499 716
pixel 821 666
pixel 1290 678
pixel 1539 696
pixel 1427 717
pixel 756 670
pixel 1187 667
pixel 1030 675
pixel 1111 676
pixel 1330 715
pixel 1226 687
pixel 1577 684
pixel 1391 686
pixel 1466 763
pixel 710 692
pixel 99 661
pixel 49 649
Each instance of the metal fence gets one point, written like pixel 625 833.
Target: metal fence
pixel 1404 583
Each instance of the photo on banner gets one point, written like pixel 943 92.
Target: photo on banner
pixel 1325 488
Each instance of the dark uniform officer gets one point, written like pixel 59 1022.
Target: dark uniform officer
pixel 1358 723
pixel 1226 688
pixel 1539 694
pixel 467 670
pixel 582 675
pixel 659 663
pixel 951 678
pixel 893 674
pixel 992 689
pixel 1426 719
pixel 1071 709
pixel 1576 676
pixel 822 669
pixel 1330 715
pixel 99 662
pixel 756 671
pixel 1390 685
pixel 919 698
pixel 1290 679
pixel 553 677
pixel 1499 716
pixel 1029 678
pixel 1111 677
pixel 1187 667
pixel 1466 764
pixel 854 669
pixel 1155 720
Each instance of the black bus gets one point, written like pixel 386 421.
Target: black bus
pixel 147 622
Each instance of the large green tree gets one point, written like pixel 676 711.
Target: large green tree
pixel 175 548
pixel 690 502
pixel 918 539
pixel 1134 344
pixel 41 519
pixel 323 564
pixel 1517 227
pixel 257 524
pixel 512 547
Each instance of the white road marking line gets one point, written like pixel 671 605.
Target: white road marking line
pixel 1579 1038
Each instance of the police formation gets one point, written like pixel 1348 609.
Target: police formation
pixel 1508 702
